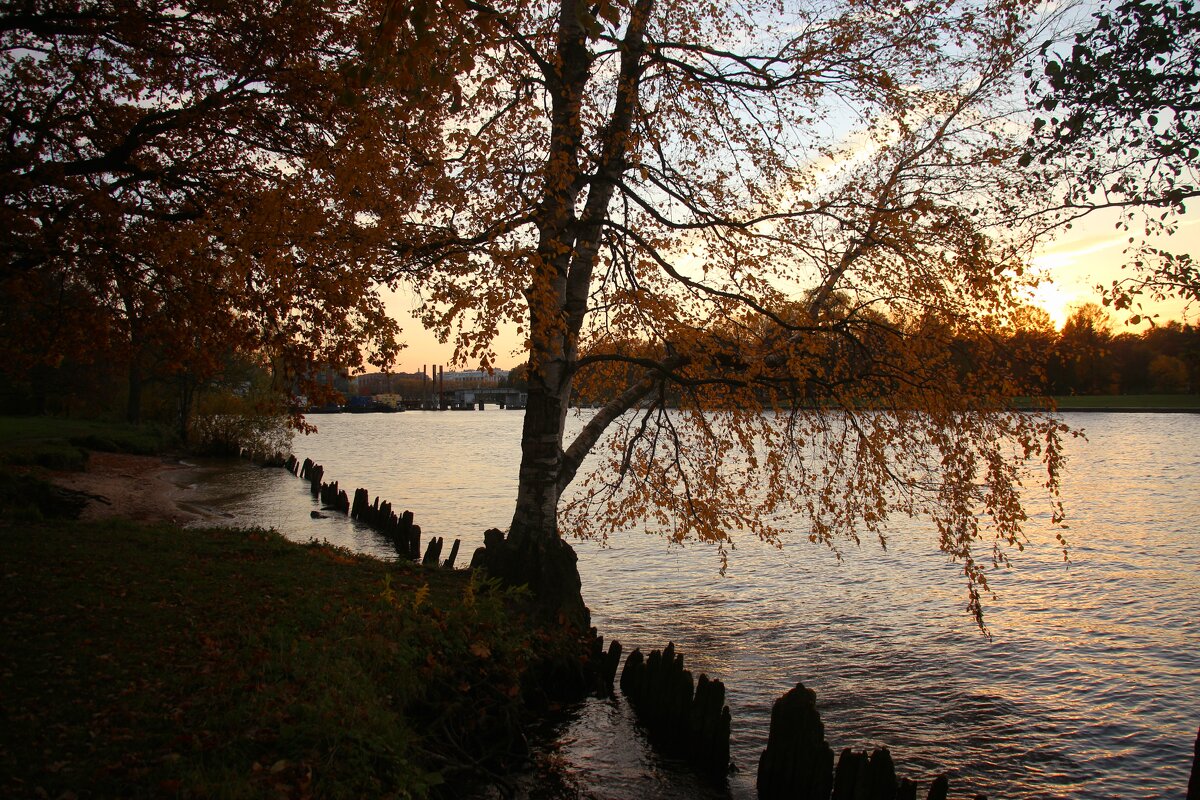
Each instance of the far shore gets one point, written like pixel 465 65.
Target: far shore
pixel 1121 410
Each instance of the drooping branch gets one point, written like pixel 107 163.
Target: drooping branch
pixel 591 433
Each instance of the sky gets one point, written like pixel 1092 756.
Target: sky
pixel 1092 253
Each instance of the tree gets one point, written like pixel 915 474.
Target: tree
pixel 1119 129
pixel 769 229
pixel 1168 374
pixel 207 175
pixel 1083 352
pixel 1029 342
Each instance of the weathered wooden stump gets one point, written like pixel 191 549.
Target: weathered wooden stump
pixel 1194 783
pixel 414 542
pixel 633 674
pixel 362 500
pixel 333 498
pixel 798 762
pixel 940 788
pixel 449 563
pixel 612 660
pixel 604 664
pixel 315 473
pixel 433 552
pixel 681 719
pixel 411 534
pixel 709 722
pixel 861 776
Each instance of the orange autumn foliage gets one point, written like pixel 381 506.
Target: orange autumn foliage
pixel 182 180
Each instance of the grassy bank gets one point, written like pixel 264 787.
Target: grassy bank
pixel 147 661
pixel 57 443
pixel 1146 402
pixel 1122 402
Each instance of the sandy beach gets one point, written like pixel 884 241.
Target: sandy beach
pixel 143 488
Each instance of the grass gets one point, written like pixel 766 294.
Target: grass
pixel 147 660
pixel 62 444
pixel 1144 402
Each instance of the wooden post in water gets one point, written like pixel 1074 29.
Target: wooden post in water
pixel 362 501
pixel 414 541
pixel 798 762
pixel 604 664
pixel 861 775
pixel 453 555
pixel 433 552
pixel 683 718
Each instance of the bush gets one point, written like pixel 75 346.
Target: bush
pixel 228 425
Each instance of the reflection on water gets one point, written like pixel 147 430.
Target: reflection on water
pixel 1086 689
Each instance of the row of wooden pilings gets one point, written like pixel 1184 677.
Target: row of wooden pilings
pixel 689 719
pixel 684 718
pixel 400 529
pixel 798 762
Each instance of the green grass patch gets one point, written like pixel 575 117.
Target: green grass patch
pixel 149 660
pixel 1146 402
pixel 62 444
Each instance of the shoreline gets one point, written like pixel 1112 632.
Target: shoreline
pixel 134 487
pixel 1112 410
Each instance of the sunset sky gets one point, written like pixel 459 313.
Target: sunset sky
pixel 1092 253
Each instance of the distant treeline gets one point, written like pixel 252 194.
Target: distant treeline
pixel 1088 357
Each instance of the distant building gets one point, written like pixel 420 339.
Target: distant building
pixel 476 377
pixel 382 382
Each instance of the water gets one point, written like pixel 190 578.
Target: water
pixel 1087 688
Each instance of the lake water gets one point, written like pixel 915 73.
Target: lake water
pixel 1087 689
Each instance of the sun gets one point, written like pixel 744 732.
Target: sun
pixel 1054 300
pixel 1093 253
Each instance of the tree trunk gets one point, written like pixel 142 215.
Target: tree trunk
pixel 534 554
pixel 187 396
pixel 133 404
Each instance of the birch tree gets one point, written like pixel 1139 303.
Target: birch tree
pixel 775 237
pixel 1117 129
